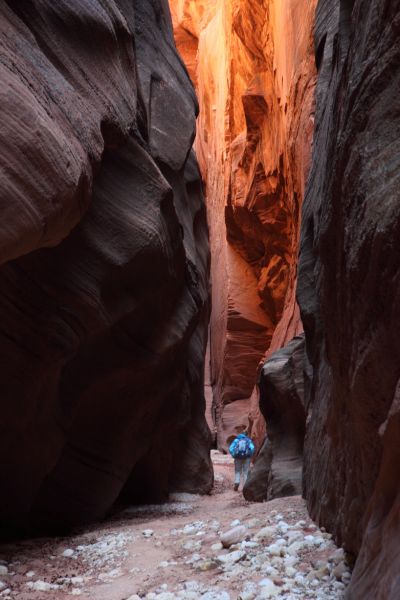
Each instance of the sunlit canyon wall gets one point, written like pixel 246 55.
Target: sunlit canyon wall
pixel 255 78
pixel 104 264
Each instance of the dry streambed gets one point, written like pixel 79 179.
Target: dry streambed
pixel 211 548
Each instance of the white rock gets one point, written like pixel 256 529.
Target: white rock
pixel 253 523
pixel 277 562
pixel 294 548
pixel 76 592
pixel 216 547
pixel 236 522
pixel 134 597
pixel 294 535
pixel 42 586
pixel 185 595
pixel 166 596
pixel 68 553
pixel 265 533
pixel 148 533
pixel 290 561
pixel 192 528
pixel 192 545
pixel 2 585
pixel 249 591
pixel 268 589
pixel 30 574
pixel 337 556
pixel 273 550
pixel 271 571
pixel 247 596
pixel 283 527
pixel 216 595
pixel 249 544
pixel 280 542
pixel 233 536
pixel 163 564
pixel 299 579
pixel 192 586
pixel 232 557
pixel 3 570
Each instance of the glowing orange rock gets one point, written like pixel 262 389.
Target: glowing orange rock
pixel 255 78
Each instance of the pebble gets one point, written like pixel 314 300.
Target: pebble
pixel 216 595
pixel 68 553
pixel 265 533
pixel 206 565
pixel 340 571
pixel 268 589
pixel 3 570
pixel 148 533
pixel 216 547
pixel 233 536
pixel 232 557
pixel 42 586
pixel 253 523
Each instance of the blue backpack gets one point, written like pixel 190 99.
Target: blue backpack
pixel 241 447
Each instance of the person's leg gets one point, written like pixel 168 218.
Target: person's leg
pixel 238 470
pixel 246 468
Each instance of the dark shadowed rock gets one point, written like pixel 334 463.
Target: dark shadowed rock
pixel 105 298
pixel 278 468
pixel 349 290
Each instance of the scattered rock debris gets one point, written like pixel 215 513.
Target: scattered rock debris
pixel 218 547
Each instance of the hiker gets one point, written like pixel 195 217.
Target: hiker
pixel 242 449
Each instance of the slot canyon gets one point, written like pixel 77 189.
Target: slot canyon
pixel 199 236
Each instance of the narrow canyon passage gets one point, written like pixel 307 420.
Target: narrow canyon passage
pixel 216 547
pixel 199 237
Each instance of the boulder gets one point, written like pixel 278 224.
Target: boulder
pixel 278 467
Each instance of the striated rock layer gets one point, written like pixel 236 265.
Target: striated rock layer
pixel 278 469
pixel 349 291
pixel 255 79
pixel 104 251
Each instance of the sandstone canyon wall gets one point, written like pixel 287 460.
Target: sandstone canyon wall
pixel 278 468
pixel 349 290
pixel 255 78
pixel 104 251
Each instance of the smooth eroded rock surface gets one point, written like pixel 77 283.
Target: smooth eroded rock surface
pixel 255 76
pixel 278 468
pixel 349 290
pixel 104 245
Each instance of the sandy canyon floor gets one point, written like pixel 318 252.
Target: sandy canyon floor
pixel 175 551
